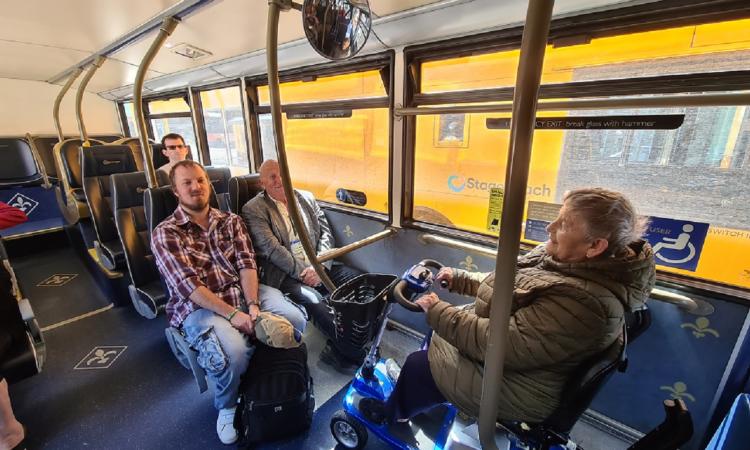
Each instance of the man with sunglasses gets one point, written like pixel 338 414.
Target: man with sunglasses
pixel 174 148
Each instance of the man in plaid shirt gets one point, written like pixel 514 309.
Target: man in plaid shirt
pixel 207 260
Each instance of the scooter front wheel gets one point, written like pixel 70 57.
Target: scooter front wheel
pixel 348 431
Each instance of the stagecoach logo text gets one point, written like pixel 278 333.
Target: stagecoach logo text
pixel 458 183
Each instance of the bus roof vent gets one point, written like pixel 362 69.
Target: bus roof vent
pixel 189 51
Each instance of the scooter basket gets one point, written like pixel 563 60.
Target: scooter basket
pixel 358 305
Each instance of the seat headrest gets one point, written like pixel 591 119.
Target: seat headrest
pixel 128 189
pixel 18 160
pixel 159 204
pixel 242 189
pixel 101 160
pixel 219 177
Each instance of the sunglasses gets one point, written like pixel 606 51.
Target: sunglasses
pixel 175 147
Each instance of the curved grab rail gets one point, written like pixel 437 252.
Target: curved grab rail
pixel 272 36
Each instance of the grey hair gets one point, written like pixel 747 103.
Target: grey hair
pixel 608 215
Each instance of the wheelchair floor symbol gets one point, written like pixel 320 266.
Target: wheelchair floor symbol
pixel 24 203
pixel 680 243
pixel 57 280
pixel 100 357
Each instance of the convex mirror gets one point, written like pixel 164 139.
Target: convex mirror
pixel 337 29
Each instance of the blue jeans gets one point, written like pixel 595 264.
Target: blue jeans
pixel 224 352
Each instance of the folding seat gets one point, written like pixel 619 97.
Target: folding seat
pixel 98 163
pixel 21 344
pixel 146 289
pixel 242 189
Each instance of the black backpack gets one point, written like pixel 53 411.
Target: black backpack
pixel 276 396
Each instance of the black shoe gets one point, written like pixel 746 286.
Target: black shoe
pixel 373 410
pixel 333 358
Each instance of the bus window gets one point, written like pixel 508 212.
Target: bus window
pixel 225 129
pixel 692 173
pixel 130 117
pixel 172 116
pixel 673 51
pixel 330 149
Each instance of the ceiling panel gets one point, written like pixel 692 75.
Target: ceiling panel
pixel 75 24
pixel 114 74
pixel 385 7
pixel 226 29
pixel 34 62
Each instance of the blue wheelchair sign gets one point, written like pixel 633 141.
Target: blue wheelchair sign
pixel 676 243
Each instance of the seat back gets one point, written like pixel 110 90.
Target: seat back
pixel 98 163
pixel 584 384
pixel 44 146
pixel 637 322
pixel 128 191
pixel 219 177
pixel 106 138
pixel 135 146
pixel 242 189
pixel 18 167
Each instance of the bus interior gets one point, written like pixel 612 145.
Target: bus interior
pixel 407 146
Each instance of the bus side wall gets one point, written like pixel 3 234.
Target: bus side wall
pixel 682 355
pixel 27 108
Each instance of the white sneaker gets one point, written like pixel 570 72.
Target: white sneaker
pixel 225 426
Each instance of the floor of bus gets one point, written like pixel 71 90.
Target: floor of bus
pixel 110 380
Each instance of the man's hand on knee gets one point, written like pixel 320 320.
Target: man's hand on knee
pixel 243 322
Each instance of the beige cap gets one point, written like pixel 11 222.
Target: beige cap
pixel 276 331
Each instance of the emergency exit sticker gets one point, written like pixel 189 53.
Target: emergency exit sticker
pixel 538 216
pixel 495 210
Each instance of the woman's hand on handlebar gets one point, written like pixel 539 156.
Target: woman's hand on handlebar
pixel 445 277
pixel 427 301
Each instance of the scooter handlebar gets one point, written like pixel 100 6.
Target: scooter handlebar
pixel 399 291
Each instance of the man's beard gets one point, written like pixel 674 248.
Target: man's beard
pixel 198 205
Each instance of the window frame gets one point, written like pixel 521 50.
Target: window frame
pixel 567 31
pixel 383 61
pixel 200 118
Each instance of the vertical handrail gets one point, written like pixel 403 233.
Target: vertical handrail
pixel 79 97
pixel 58 101
pixel 38 161
pixel 533 45
pixel 273 87
pixel 167 27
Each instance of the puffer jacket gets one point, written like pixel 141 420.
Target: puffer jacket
pixel 562 314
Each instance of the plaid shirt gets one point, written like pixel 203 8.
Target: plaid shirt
pixel 189 257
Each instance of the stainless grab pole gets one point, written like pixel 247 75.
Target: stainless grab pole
pixel 58 101
pixel 167 27
pixel 79 97
pixel 273 87
pixel 533 45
